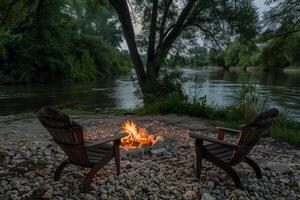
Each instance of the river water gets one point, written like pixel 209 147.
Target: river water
pixel 279 89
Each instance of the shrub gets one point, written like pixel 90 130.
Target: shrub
pixel 272 56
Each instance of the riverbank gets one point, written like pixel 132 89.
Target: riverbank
pixel 289 69
pixel 29 158
pixel 284 130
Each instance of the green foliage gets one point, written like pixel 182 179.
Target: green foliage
pixel 167 83
pixel 232 53
pixel 216 57
pixel 286 129
pixel 45 43
pixel 292 49
pixel 272 56
pixel 249 101
pixel 83 69
pixel 239 53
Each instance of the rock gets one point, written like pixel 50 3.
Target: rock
pixel 278 168
pixel 89 197
pixel 159 143
pixel 284 180
pixel 238 192
pixel 103 197
pixel 212 174
pixel 146 147
pixel 127 196
pixel 159 152
pixel 185 146
pixel 135 152
pixel 207 196
pixel 189 195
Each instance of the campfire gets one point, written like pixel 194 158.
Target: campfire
pixel 137 136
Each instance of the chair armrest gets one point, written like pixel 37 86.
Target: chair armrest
pixel 213 140
pixel 228 130
pixel 96 143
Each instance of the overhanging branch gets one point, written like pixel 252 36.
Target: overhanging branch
pixel 175 30
pixel 211 35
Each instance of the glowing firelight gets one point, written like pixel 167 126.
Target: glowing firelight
pixel 136 135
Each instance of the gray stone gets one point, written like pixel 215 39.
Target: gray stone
pixel 212 174
pixel 207 196
pixel 145 147
pixel 89 197
pixel 278 168
pixel 127 196
pixel 189 195
pixel 159 152
pixel 159 143
pixel 185 146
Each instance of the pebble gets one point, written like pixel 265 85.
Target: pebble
pixel 168 173
pixel 189 195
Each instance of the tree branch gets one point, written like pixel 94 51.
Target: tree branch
pixel 211 35
pixel 167 4
pixel 152 35
pixel 174 32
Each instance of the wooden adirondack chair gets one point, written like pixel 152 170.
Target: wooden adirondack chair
pixel 226 155
pixel 72 139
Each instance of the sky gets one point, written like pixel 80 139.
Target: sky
pixel 261 5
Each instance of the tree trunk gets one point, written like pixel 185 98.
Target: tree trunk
pixel 122 10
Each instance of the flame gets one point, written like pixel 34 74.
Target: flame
pixel 136 135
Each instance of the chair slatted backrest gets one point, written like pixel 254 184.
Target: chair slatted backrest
pixel 252 133
pixel 69 135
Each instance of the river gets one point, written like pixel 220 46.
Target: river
pixel 279 89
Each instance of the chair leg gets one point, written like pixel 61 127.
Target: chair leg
pixel 89 178
pixel 60 169
pixel 198 149
pixel 229 170
pixel 254 166
pixel 117 155
pixel 117 160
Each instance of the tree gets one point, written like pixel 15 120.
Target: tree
pixel 168 21
pixel 282 19
pixel 239 53
pixel 49 40
pixel 281 37
pixel 96 18
pixel 216 57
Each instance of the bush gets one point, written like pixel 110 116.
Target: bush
pixel 215 57
pixel 272 56
pixel 292 49
pixel 25 58
pixel 168 82
pixel 286 129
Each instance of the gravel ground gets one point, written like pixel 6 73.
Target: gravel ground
pixel 28 159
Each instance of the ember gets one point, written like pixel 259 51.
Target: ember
pixel 136 137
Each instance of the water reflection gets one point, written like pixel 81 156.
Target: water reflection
pixel 279 89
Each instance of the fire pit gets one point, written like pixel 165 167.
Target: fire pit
pixel 139 141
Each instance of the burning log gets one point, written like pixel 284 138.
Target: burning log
pixel 137 136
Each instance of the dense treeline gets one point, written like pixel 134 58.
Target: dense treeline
pixel 44 40
pixel 269 55
pixel 277 44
